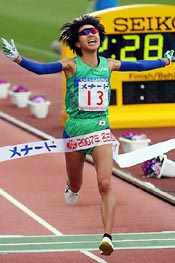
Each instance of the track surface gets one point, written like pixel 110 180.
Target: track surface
pixel 37 184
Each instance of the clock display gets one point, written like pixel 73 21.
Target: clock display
pixel 132 47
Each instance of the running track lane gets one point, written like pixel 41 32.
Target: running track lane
pixel 38 183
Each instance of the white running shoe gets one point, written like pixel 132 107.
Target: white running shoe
pixel 71 198
pixel 106 247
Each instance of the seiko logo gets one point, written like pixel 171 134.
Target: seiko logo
pixel 140 24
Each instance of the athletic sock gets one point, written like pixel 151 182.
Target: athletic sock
pixel 107 235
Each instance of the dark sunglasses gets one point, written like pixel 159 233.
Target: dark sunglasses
pixel 87 31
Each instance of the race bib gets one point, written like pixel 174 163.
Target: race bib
pixel 93 94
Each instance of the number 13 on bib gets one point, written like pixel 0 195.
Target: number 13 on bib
pixel 93 95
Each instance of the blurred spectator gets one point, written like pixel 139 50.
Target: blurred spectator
pixel 56 47
pixel 103 4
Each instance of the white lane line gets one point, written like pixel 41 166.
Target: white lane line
pixel 25 126
pixel 83 242
pixel 41 221
pixel 87 252
pixel 126 234
pixel 10 236
pixel 29 212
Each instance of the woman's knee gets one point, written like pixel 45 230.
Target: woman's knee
pixel 104 185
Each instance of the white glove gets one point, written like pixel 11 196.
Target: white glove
pixel 9 49
pixel 169 55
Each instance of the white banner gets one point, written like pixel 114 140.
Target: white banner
pixel 57 145
pixel 144 154
pixel 84 142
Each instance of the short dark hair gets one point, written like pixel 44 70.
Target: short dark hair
pixel 69 31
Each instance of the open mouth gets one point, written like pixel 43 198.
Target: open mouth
pixel 92 41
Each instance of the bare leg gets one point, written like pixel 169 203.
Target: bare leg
pixel 102 156
pixel 74 166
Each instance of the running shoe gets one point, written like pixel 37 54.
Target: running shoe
pixel 71 198
pixel 106 247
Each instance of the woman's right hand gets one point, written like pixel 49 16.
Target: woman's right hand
pixel 10 50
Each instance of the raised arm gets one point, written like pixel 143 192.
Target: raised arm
pixel 142 65
pixel 41 68
pixel 10 50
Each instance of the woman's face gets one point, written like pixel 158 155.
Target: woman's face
pixel 89 39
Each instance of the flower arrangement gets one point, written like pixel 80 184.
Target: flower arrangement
pixel 152 168
pixel 39 106
pixel 133 135
pixel 131 141
pixel 19 95
pixel 19 88
pixel 2 81
pixel 4 89
pixel 38 99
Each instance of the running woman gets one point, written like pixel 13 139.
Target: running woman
pixel 87 73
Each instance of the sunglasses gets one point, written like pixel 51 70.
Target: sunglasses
pixel 87 31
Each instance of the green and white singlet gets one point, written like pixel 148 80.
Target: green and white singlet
pixel 87 98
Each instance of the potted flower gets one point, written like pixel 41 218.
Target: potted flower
pixel 20 96
pixel 4 88
pixel 158 167
pixel 39 106
pixel 131 141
